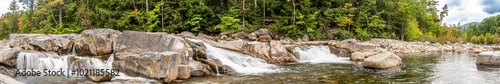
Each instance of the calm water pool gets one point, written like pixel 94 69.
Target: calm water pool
pixel 448 68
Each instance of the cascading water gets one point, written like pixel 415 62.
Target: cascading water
pixel 28 60
pixel 217 71
pixel 73 50
pixel 319 54
pixel 241 63
pixel 39 61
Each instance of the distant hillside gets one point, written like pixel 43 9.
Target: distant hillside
pixel 465 26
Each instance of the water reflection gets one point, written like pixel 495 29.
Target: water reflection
pixel 461 68
pixel 447 68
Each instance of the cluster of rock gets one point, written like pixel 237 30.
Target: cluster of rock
pixel 371 55
pixel 379 53
pixel 404 47
pixel 159 56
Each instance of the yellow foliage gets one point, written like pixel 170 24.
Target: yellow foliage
pixel 348 5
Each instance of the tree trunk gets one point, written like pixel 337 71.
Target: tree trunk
pixel 32 2
pixel 161 11
pixel 244 12
pixel 402 35
pixel 255 2
pixel 60 14
pixel 264 20
pixel 135 4
pixel 147 6
pixel 293 21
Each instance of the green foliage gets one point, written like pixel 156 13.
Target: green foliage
pixel 413 31
pixel 229 24
pixel 362 34
pixel 194 23
pixel 481 39
pixel 429 36
pixel 342 34
pixel 152 18
pixel 320 19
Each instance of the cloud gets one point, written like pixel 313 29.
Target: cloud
pixel 454 3
pixel 4 5
pixel 466 11
pixel 491 6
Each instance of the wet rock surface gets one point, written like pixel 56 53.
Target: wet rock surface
pixel 489 58
pixel 382 60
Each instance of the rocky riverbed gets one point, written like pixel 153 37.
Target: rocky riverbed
pixel 171 58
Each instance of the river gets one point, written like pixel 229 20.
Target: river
pixel 441 68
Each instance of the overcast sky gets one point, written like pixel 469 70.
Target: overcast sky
pixel 466 11
pixel 460 11
pixel 4 4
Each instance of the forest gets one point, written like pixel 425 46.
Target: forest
pixel 409 20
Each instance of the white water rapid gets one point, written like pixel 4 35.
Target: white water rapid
pixel 239 62
pixel 319 54
pixel 41 60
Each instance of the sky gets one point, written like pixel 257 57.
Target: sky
pixel 4 4
pixel 466 11
pixel 460 11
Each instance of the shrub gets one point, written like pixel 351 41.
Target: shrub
pixel 362 34
pixel 480 39
pixel 343 34
pixel 412 31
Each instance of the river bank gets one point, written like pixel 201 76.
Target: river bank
pixel 176 57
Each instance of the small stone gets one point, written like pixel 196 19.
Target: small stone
pixel 265 38
pixel 184 72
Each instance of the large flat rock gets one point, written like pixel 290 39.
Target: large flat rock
pixel 382 60
pixel 42 42
pixel 155 65
pixel 96 41
pixel 131 43
pixel 9 56
pixel 488 58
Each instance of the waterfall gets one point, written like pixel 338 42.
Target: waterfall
pixel 239 62
pixel 42 60
pixel 73 50
pixel 217 71
pixel 319 54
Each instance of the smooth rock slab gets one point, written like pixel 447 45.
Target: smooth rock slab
pixel 184 72
pixel 96 41
pixel 382 60
pixel 41 42
pixel 8 80
pixel 9 56
pixel 488 58
pixel 155 65
pixel 199 69
pixel 130 43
